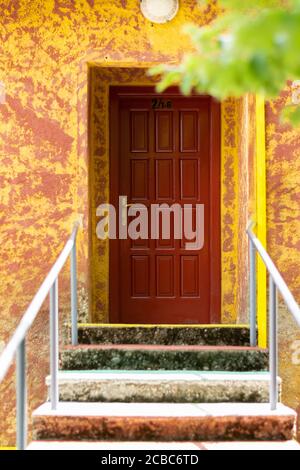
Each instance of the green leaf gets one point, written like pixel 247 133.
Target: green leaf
pixel 253 47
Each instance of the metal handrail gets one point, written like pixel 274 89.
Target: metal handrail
pixel 276 282
pixel 16 345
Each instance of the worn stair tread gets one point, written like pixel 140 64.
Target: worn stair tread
pixel 164 325
pixel 162 410
pixel 163 386
pixel 252 445
pixel 158 375
pixel 106 445
pixel 163 357
pixel 164 334
pixel 159 347
pixel 196 446
pixel 163 422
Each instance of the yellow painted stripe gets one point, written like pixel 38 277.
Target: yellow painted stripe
pixel 261 219
pixel 8 448
pixel 125 325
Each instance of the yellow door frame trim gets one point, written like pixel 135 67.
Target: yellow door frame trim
pixel 261 219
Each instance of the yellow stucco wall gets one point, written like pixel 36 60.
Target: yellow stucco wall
pixel 229 209
pixel 46 49
pixel 283 234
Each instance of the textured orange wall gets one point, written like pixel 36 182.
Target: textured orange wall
pixel 283 219
pixel 46 47
pixel 230 208
pixel 283 180
pixel 246 195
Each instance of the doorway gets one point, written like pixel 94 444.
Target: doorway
pixel 164 149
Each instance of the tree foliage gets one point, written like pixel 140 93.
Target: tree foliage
pixel 253 47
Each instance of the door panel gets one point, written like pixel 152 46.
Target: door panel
pixel 161 156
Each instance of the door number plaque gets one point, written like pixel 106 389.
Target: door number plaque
pixel 159 103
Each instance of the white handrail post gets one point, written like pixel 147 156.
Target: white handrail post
pixel 277 278
pixel 21 396
pixel 74 307
pixel 16 344
pixel 54 392
pixel 273 344
pixel 252 293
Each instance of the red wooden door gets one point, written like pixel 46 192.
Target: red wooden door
pixel 161 153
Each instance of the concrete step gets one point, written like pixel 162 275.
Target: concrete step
pixel 196 446
pixel 210 335
pixel 155 357
pixel 163 422
pixel 163 386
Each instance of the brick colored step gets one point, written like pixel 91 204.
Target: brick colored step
pixel 163 422
pixel 163 386
pixel 155 357
pixel 196 446
pixel 231 335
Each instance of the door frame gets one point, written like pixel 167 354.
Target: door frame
pixel 115 92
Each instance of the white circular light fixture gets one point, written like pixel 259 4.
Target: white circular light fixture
pixel 159 11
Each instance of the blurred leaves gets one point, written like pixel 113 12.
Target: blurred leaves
pixel 291 114
pixel 253 47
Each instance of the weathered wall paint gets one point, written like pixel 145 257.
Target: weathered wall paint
pixel 229 208
pixel 246 196
pixel 283 210
pixel 46 48
pixel 283 235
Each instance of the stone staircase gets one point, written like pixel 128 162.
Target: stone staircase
pixel 163 387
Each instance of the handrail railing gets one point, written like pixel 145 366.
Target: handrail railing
pixel 276 282
pixel 17 344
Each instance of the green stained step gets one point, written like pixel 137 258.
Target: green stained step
pixel 155 357
pixel 222 335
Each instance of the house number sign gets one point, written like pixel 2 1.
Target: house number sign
pixel 159 103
